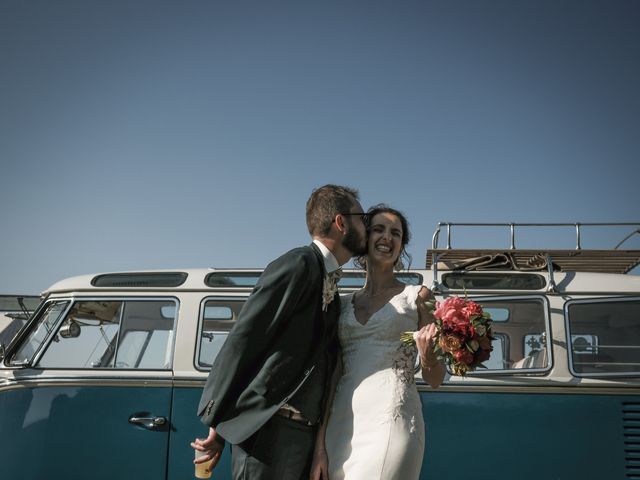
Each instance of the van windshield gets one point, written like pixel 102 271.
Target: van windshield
pixel 46 322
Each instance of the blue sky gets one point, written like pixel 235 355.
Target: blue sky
pixel 166 134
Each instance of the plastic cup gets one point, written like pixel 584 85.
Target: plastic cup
pixel 201 468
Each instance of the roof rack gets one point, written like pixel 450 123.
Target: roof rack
pixel 613 260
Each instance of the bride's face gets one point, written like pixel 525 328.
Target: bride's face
pixel 385 238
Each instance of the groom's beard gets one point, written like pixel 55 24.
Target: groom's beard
pixel 353 242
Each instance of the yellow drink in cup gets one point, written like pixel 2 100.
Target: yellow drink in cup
pixel 201 468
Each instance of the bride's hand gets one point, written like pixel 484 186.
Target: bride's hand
pixel 320 465
pixel 425 341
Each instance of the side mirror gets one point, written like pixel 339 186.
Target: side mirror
pixel 70 329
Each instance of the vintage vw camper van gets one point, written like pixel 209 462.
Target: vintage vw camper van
pixel 104 380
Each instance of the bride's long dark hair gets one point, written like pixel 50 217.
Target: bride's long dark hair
pixel 404 259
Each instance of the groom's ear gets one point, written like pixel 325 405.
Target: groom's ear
pixel 339 222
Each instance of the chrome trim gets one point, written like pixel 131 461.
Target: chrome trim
pixel 435 285
pixel 513 236
pixel 578 236
pixel 626 238
pixel 512 225
pixel 551 285
pixel 436 237
pixel 150 423
pixel 190 383
pixel 535 389
pixel 558 293
pixel 19 383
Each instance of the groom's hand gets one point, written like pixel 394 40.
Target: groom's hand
pixel 320 465
pixel 212 446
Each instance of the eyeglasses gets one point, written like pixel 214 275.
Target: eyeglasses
pixel 363 216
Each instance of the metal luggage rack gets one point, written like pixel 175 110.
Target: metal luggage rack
pixel 612 260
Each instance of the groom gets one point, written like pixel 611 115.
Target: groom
pixel 266 391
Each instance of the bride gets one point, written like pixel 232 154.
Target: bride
pixel 375 429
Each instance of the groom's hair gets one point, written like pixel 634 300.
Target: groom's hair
pixel 325 203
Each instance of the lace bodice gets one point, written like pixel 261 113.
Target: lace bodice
pixel 376 346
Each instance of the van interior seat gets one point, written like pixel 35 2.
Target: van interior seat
pixel 536 359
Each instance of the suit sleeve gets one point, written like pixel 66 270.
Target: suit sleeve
pixel 268 309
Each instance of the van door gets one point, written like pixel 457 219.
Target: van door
pixel 216 316
pixel 90 392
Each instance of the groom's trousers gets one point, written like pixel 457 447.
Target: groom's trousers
pixel 281 450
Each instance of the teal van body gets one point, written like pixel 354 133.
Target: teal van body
pixel 104 380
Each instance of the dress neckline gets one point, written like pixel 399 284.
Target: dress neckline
pixel 384 305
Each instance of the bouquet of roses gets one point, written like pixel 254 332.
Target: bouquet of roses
pixel 463 338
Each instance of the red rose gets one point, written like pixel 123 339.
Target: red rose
pixel 483 355
pixel 463 356
pixel 464 329
pixel 485 343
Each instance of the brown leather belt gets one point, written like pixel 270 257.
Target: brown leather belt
pixel 295 416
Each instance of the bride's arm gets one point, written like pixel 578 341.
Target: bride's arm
pixel 433 370
pixel 320 464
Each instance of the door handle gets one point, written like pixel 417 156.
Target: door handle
pixel 150 423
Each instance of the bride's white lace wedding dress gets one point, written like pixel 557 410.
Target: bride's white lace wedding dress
pixel 375 428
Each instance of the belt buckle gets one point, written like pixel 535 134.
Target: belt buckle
pixel 294 416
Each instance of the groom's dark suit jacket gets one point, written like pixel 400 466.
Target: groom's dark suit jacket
pixel 272 348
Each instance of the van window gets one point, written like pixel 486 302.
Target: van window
pixel 350 279
pixel 520 333
pixel 604 336
pixel 217 316
pixel 140 280
pixel 46 322
pixel 493 281
pixel 122 334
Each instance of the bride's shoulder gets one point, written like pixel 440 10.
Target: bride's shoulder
pixel 417 293
pixel 414 290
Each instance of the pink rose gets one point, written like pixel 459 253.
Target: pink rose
pixel 473 309
pixel 450 307
pixel 454 323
